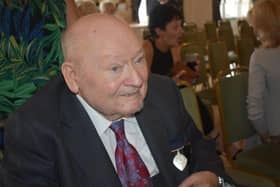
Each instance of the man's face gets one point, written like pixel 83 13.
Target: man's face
pixel 113 77
pixel 172 33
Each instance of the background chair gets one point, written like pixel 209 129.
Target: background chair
pixel 248 179
pixel 246 31
pixel 192 27
pixel 198 36
pixel 191 105
pixel 211 31
pixel 218 58
pixel 245 48
pixel 225 33
pixel 261 159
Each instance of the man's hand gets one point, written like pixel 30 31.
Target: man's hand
pixel 180 72
pixel 275 139
pixel 265 138
pixel 201 179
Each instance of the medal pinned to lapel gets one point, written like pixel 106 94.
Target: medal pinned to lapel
pixel 180 161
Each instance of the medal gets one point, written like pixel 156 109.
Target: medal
pixel 180 161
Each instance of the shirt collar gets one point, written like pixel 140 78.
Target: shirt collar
pixel 99 121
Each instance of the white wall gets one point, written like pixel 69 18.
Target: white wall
pixel 197 11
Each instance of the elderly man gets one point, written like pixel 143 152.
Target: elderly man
pixel 105 122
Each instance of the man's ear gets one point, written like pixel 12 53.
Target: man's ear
pixel 70 75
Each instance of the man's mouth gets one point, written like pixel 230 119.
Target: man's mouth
pixel 130 94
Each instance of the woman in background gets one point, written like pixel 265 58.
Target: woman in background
pixel 162 49
pixel 264 71
pixel 162 54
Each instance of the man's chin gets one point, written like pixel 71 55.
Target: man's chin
pixel 133 111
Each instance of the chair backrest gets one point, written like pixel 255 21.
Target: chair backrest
pixel 191 105
pixel 211 31
pixel 245 47
pixel 198 36
pixel 190 27
pixel 224 23
pixel 246 31
pixel 225 33
pixel 231 94
pixel 218 57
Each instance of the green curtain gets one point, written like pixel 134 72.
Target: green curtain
pixel 30 51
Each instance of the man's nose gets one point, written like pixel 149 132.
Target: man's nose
pixel 134 76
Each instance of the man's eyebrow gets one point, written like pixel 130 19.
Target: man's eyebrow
pixel 139 54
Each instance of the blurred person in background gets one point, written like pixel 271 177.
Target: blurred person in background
pixel 87 7
pixel 264 71
pixel 162 48
pixel 108 7
pixel 124 11
pixel 162 52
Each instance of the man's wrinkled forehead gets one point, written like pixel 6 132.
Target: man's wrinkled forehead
pixel 121 57
pixel 91 30
pixel 94 23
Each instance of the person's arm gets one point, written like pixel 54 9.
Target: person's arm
pixel 256 89
pixel 72 12
pixel 149 52
pixel 175 51
pixel 181 72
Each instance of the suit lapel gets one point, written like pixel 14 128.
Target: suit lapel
pixel 86 148
pixel 157 139
pixel 84 144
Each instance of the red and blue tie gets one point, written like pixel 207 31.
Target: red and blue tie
pixel 130 167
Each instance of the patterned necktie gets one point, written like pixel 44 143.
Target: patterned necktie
pixel 131 169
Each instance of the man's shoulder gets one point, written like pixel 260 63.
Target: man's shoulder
pixel 44 104
pixel 49 92
pixel 159 79
pixel 162 90
pixel 159 83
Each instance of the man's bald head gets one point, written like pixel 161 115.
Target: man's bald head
pixel 94 31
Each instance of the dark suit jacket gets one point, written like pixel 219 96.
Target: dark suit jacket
pixel 51 141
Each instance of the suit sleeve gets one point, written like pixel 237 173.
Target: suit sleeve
pixel 25 163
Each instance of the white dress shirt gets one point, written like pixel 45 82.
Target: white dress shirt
pixel 133 134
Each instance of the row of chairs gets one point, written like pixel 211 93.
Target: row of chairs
pixel 261 159
pixel 257 166
pixel 224 32
pixel 217 58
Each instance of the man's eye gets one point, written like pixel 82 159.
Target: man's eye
pixel 115 68
pixel 140 60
